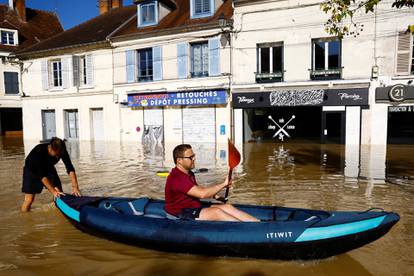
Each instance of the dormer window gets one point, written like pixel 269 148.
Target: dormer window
pixel 202 8
pixel 8 37
pixel 147 14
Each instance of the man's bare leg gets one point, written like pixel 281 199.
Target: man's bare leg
pixel 213 213
pixel 234 212
pixel 27 203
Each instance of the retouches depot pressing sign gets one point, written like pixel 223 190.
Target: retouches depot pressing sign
pixel 205 97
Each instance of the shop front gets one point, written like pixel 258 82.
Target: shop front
pixel 300 115
pixel 400 100
pixel 194 117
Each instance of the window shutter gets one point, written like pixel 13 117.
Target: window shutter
pixel 157 62
pixel 182 60
pixel 45 75
pixel 89 70
pixel 75 66
pixel 130 65
pixel 214 57
pixel 65 72
pixel 403 54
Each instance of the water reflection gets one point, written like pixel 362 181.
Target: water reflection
pixel 297 175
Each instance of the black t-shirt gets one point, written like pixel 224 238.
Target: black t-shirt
pixel 40 163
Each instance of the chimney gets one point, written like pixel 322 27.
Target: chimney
pixel 20 7
pixel 106 5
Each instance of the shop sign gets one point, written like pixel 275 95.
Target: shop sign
pixel 281 131
pixel 396 109
pixel 396 93
pixel 194 98
pixel 304 97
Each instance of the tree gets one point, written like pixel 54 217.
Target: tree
pixel 340 10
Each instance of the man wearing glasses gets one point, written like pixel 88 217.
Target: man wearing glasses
pixel 183 194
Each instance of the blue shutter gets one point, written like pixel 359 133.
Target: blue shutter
pixel 157 62
pixel 89 70
pixel 45 75
pixel 130 65
pixel 214 57
pixel 182 60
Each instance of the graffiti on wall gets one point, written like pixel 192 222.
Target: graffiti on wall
pixel 297 97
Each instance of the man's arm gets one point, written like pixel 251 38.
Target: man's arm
pixel 54 191
pixel 209 191
pixel 75 186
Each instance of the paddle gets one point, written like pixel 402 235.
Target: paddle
pixel 234 160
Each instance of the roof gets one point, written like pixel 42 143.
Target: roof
pixel 176 21
pixel 121 23
pixel 93 31
pixel 39 25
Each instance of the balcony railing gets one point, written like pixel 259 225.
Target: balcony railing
pixel 269 77
pixel 199 74
pixel 326 74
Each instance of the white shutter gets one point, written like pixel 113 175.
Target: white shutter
pixel 45 75
pixel 75 70
pixel 403 52
pixel 89 70
pixel 65 72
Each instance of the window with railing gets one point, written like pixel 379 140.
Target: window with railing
pixel 199 59
pixel 56 73
pixel 269 62
pixel 326 59
pixel 145 65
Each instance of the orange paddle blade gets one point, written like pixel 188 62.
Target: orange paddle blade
pixel 234 156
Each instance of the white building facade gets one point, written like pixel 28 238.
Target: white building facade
pixel 323 86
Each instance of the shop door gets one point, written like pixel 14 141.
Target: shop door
pixel 199 125
pixel 333 127
pixel 153 135
pixel 97 124
pixel 71 124
pixel 48 124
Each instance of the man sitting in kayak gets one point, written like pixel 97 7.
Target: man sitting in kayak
pixel 183 194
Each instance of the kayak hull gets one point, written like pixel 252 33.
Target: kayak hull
pixel 287 233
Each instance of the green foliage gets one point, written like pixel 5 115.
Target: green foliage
pixel 341 10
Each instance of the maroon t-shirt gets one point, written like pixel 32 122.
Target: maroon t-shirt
pixel 176 188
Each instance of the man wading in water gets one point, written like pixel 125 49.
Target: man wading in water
pixel 39 171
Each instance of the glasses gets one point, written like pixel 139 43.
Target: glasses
pixel 192 157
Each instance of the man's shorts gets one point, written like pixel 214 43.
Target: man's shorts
pixel 33 185
pixel 190 213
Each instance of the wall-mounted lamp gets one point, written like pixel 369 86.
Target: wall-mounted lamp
pixel 374 72
pixel 226 26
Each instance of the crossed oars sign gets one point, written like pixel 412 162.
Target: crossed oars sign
pixel 281 129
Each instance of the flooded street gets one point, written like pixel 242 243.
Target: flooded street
pixel 296 175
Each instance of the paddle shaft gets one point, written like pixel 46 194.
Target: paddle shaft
pixel 227 189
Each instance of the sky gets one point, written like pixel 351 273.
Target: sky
pixel 70 12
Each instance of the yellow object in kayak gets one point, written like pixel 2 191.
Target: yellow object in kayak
pixel 162 174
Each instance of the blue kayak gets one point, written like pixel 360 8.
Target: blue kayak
pixel 283 233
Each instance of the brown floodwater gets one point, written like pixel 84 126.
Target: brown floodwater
pixel 296 175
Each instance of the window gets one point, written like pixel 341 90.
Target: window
pixel 82 70
pixel 145 65
pixel 56 72
pixel 326 59
pixel 11 83
pixel 201 8
pixel 199 59
pixel 148 14
pixel 269 62
pixel 7 38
